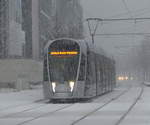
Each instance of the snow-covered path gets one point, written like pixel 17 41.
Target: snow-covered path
pixel 106 110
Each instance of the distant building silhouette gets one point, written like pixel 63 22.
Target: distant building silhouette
pixel 69 15
pixel 11 34
pixel 4 23
pixel 44 20
pixel 36 24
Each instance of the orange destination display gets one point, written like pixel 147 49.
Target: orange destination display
pixel 65 53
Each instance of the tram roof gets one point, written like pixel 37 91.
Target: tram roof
pixel 82 43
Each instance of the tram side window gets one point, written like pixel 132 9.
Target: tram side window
pixel 82 68
pixel 45 72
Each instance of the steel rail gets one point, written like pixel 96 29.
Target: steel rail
pixel 23 111
pixel 95 110
pixel 45 114
pixel 131 107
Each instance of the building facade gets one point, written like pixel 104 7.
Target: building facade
pixel 44 20
pixel 37 26
pixel 27 26
pixel 4 25
pixel 16 34
pixel 69 16
pixel 11 34
pixel 45 23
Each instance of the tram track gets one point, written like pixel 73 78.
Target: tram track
pixel 27 105
pixel 23 111
pixel 68 106
pixel 97 109
pixel 131 107
pixel 57 111
pixel 45 114
pixel 32 109
pixel 109 102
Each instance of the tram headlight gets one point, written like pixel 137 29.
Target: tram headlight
pixel 71 84
pixel 126 78
pixel 120 78
pixel 53 86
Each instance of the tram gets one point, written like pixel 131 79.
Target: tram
pixel 75 70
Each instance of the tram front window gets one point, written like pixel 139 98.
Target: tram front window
pixel 63 61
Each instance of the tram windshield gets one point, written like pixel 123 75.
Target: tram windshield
pixel 63 61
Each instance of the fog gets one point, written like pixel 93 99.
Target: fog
pixel 27 31
pixel 120 46
pixel 58 67
pixel 117 9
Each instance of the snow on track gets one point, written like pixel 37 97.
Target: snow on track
pixel 115 112
pixel 67 115
pixel 29 115
pixel 140 114
pixel 105 110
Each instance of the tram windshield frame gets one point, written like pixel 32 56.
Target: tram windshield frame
pixel 63 56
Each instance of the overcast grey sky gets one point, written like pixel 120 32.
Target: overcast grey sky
pixel 118 9
pixel 108 8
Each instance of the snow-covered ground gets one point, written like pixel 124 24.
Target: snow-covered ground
pixel 140 115
pixel 9 98
pixel 20 108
